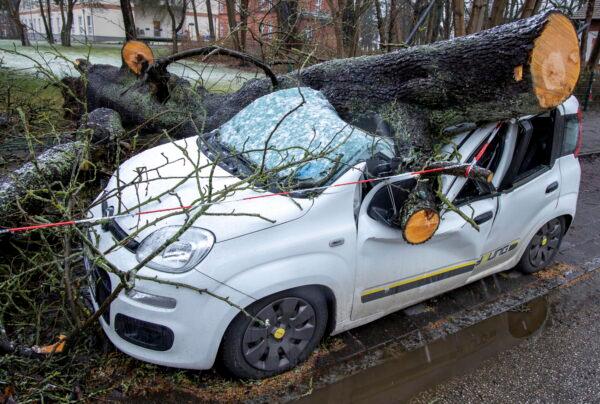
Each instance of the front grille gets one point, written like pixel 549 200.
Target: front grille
pixel 117 231
pixel 101 288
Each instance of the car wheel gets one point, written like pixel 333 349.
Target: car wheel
pixel 543 246
pixel 296 320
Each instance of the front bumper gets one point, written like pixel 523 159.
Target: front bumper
pixel 187 335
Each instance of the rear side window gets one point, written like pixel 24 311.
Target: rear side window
pixel 571 135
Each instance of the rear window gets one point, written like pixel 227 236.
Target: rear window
pixel 571 134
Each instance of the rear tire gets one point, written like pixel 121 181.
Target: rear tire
pixel 297 322
pixel 543 247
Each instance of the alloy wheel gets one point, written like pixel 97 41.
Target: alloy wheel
pixel 290 325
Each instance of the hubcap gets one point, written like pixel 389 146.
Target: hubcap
pixel 290 326
pixel 545 243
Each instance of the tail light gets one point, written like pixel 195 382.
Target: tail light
pixel 580 134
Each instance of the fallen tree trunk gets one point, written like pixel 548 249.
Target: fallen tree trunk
pixel 20 190
pixel 516 69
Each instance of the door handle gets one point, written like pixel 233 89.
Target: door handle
pixel 552 187
pixel 484 217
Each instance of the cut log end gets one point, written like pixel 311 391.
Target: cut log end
pixel 134 54
pixel 421 226
pixel 555 61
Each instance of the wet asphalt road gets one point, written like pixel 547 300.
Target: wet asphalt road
pixel 562 362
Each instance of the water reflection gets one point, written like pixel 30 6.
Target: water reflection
pixel 403 374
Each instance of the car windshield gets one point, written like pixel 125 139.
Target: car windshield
pixel 297 133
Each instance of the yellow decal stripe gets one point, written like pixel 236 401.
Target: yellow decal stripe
pixel 418 278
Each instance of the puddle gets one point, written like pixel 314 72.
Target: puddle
pixel 403 374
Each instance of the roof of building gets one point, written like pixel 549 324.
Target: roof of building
pixel 580 14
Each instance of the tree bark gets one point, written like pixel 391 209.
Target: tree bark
pixel 458 11
pixel 128 20
pixel 589 13
pixel 439 85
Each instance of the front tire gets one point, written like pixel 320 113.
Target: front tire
pixel 543 247
pixel 297 320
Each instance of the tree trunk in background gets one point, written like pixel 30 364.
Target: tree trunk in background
pixel 232 22
pixel 14 13
pixel 528 8
pixel 244 14
pixel 46 14
pixel 67 26
pixel 287 21
pixel 589 13
pixel 128 20
pixel 447 18
pixel 594 56
pixel 211 23
pixel 380 24
pixel 392 14
pixel 176 26
pixel 335 8
pixel 477 16
pixel 497 13
pixel 458 13
pixel 196 27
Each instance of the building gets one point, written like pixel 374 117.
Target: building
pixel 579 15
pixel 102 21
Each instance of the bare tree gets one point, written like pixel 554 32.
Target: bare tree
pixel 14 14
pixel 66 11
pixel 128 20
pixel 46 13
pixel 172 7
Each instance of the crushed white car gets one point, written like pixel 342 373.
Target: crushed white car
pixel 306 264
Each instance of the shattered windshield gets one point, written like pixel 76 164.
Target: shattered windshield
pixel 297 133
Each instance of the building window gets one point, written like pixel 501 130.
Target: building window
pixel 81 27
pixel 89 22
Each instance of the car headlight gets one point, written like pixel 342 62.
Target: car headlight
pixel 182 254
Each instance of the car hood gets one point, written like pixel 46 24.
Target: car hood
pixel 174 175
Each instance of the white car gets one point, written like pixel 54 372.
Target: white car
pixel 324 262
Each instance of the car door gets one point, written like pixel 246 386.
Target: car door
pixel 528 194
pixel 391 273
